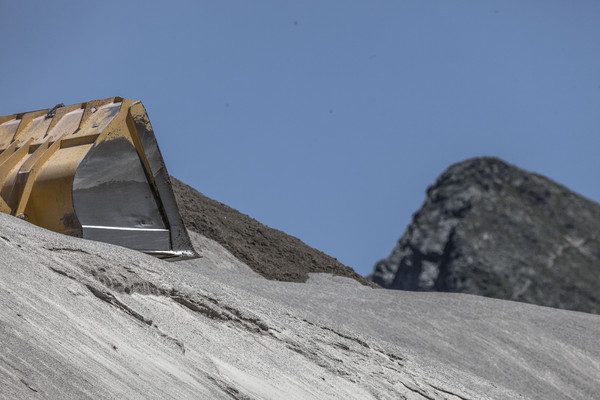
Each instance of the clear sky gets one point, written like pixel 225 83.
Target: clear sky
pixel 326 119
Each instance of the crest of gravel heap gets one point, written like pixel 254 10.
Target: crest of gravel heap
pixel 271 253
pixel 489 228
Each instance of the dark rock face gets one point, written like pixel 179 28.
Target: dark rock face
pixel 269 252
pixel 491 229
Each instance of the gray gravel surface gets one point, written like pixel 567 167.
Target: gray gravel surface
pixel 81 319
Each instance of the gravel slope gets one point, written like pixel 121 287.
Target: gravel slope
pixel 82 319
pixel 270 252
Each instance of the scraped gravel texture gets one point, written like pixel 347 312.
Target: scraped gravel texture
pixel 269 252
pixel 89 320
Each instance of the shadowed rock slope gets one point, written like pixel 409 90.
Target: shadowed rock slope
pixel 492 229
pixel 269 252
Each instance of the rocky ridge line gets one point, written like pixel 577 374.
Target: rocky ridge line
pixel 489 228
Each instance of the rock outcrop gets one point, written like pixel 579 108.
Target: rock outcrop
pixel 489 228
pixel 269 252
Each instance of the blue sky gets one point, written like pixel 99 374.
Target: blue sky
pixel 326 119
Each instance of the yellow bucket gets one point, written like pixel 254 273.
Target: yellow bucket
pixel 91 170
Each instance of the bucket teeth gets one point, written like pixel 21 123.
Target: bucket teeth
pixel 92 170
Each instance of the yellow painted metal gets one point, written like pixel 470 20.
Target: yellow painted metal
pixel 51 203
pixel 36 181
pixel 4 208
pixel 8 127
pixel 31 125
pixel 14 159
pixel 7 118
pixel 42 151
pixel 34 184
pixel 29 172
pixel 14 146
pixel 66 120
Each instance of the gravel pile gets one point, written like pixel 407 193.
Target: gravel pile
pixel 269 252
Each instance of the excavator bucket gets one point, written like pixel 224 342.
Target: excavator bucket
pixel 92 170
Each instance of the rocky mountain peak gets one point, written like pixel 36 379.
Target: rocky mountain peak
pixel 492 229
